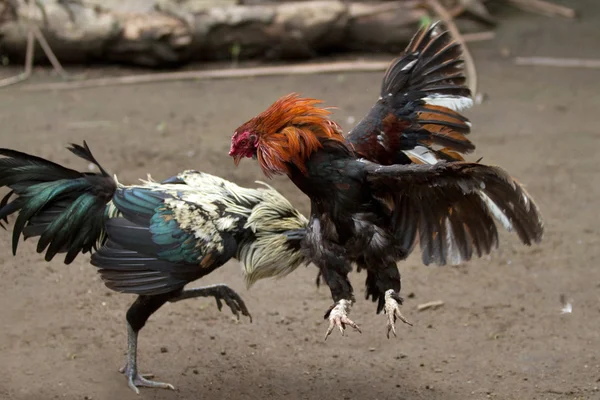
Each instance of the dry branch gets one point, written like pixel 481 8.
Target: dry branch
pixel 544 7
pixel 432 304
pixel 558 62
pixel 299 69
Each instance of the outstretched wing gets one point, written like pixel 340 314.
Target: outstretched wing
pixel 451 208
pixel 416 118
pixel 165 238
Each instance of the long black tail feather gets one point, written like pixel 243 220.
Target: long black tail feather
pixel 64 207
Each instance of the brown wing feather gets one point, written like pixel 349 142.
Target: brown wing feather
pixel 421 92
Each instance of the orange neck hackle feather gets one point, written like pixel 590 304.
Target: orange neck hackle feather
pixel 289 131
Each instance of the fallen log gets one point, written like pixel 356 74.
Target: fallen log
pixel 168 33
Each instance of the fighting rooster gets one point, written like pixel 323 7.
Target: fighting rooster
pixel 396 179
pixel 154 238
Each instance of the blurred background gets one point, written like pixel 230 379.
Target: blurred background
pixel 158 86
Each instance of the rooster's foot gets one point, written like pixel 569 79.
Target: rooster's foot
pixel 393 301
pixel 136 380
pixel 338 316
pixel 220 292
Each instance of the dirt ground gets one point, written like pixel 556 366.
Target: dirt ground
pixel 500 334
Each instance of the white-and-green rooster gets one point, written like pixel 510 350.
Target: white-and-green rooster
pixel 153 238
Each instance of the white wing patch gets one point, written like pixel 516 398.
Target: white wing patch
pixel 496 212
pixel 202 225
pixel 423 154
pixel 455 103
pixel 409 65
pixel 454 256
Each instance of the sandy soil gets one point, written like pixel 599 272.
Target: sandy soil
pixel 499 335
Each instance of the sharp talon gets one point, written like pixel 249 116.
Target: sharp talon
pixel 329 329
pixel 133 387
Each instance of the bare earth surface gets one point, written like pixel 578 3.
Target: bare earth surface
pixel 500 334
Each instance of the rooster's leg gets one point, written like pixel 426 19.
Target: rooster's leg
pixel 393 301
pixel 219 292
pixel 137 315
pixel 338 316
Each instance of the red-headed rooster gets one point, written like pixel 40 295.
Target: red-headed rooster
pixel 398 178
pixel 154 238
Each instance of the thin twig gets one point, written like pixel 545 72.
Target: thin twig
pixel 432 304
pixel 28 52
pixel 456 35
pixel 558 62
pixel 34 32
pixel 479 36
pixel 48 51
pixel 544 7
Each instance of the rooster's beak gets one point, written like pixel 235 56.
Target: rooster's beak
pixel 236 159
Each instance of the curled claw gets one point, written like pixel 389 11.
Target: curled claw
pixel 233 301
pixel 338 316
pixel 392 310
pixel 341 323
pixel 221 293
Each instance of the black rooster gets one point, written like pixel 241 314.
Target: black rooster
pixel 152 238
pixel 397 179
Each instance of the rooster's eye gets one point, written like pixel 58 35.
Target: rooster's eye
pixel 244 142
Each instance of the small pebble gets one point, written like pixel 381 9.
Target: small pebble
pixel 195 372
pixel 163 349
pixel 223 352
pixel 372 349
